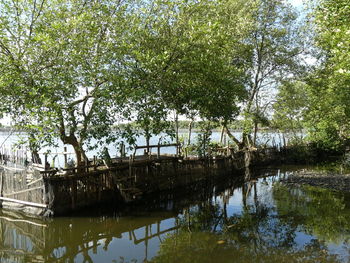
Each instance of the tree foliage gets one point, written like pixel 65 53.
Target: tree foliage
pixel 290 106
pixel 328 116
pixel 63 66
pixel 73 69
pixel 274 50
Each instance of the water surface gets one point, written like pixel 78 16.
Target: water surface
pixel 220 220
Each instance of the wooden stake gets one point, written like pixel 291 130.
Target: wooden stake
pixel 95 163
pixel 158 151
pixel 45 162
pixel 65 157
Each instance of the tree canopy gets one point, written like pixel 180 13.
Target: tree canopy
pixel 73 69
pixel 329 95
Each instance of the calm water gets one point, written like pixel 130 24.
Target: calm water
pixel 220 221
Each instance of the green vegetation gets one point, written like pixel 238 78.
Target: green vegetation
pixel 315 201
pixel 74 70
pixel 261 232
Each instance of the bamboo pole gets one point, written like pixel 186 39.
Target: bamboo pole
pixel 24 191
pixel 95 163
pixel 65 157
pixel 45 162
pixel 158 151
pixel 23 202
pixel 1 183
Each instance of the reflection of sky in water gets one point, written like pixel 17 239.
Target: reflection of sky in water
pixel 115 242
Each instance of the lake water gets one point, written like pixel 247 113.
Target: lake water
pixel 222 220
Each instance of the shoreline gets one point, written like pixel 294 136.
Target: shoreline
pixel 329 180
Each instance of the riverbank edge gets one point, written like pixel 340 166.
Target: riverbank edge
pixel 332 180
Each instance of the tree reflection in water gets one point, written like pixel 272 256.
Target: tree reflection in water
pixel 259 220
pixel 262 232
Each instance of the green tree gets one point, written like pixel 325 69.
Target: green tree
pixel 328 116
pixel 63 64
pixel 289 108
pixel 185 56
pixel 274 50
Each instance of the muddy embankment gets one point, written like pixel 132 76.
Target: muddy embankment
pixel 326 179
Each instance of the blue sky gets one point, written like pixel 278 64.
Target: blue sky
pixel 296 3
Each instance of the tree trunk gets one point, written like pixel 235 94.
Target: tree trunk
pixel 284 141
pixel 79 153
pixel 177 132
pixel 247 157
pixel 77 146
pixel 35 157
pixel 256 127
pixel 148 138
pixel 72 140
pixel 222 134
pixel 147 135
pixel 239 144
pixel 189 132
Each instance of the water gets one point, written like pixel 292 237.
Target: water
pixel 224 220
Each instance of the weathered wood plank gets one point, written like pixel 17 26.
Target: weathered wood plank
pixel 24 191
pixel 23 202
pixel 35 181
pixel 1 183
pixel 157 145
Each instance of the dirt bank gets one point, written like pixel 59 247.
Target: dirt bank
pixel 330 180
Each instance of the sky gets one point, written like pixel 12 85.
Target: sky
pixel 296 3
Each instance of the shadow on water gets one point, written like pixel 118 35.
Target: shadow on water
pixel 247 218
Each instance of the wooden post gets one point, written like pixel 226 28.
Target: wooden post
pixel 122 150
pixel 204 145
pixel 73 193
pixel 158 151
pixel 95 163
pixel 1 183
pixel 130 168
pixel 87 165
pixel 65 157
pixel 45 162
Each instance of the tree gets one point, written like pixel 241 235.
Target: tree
pixel 184 57
pixel 328 116
pixel 273 56
pixel 289 108
pixel 64 66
